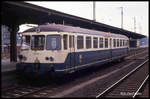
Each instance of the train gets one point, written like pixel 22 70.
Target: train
pixel 57 48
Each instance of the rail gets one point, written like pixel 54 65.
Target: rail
pixel 119 81
pixel 140 87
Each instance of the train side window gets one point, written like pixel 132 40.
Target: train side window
pixel 95 42
pixel 127 43
pixel 120 42
pixel 80 42
pixel 65 40
pixel 117 42
pixel 123 42
pixel 101 42
pixel 88 42
pixel 106 42
pixel 110 42
pixel 114 40
pixel 71 41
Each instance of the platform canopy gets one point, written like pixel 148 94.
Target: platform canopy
pixel 18 13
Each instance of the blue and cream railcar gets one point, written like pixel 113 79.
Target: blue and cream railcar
pixel 60 48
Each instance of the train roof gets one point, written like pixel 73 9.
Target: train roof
pixel 66 28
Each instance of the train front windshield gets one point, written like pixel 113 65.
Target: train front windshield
pixel 53 42
pixel 25 44
pixel 37 42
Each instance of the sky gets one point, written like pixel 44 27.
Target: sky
pixel 106 12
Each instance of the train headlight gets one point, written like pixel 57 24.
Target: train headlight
pixel 47 58
pixel 51 59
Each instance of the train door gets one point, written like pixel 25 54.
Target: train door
pixel 72 51
pixel 110 44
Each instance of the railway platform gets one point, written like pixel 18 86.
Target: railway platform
pixel 7 66
pixel 7 73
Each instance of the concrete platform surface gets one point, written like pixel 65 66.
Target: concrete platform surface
pixel 6 65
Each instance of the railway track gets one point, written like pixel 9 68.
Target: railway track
pixel 140 88
pixel 129 85
pixel 100 82
pixel 21 91
pixel 18 91
pixel 25 91
pixel 144 90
